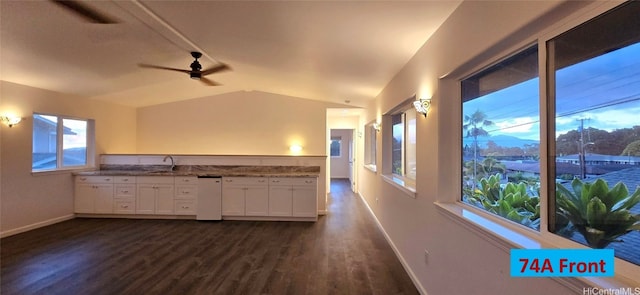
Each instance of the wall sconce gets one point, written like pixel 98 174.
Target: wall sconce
pixel 422 106
pixel 295 148
pixel 10 120
pixel 377 126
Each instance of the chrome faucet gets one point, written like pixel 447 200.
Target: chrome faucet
pixel 173 163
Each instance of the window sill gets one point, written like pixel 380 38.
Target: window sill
pixel 62 171
pixel 506 236
pixel 372 168
pixel 400 184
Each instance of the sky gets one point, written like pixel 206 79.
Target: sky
pixel 605 91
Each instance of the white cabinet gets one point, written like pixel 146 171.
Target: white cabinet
pixel 186 194
pixel 93 194
pixel 245 196
pixel 124 201
pixel 155 195
pixel 293 196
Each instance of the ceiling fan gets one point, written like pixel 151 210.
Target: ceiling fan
pixel 196 71
pixel 84 11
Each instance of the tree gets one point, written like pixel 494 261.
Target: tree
pixel 473 125
pixel 632 149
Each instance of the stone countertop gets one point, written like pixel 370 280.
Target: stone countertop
pixel 205 170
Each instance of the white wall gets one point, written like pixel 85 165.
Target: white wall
pixel 460 261
pixel 27 199
pixel 340 165
pixel 238 123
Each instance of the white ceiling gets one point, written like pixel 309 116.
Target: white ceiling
pixel 323 50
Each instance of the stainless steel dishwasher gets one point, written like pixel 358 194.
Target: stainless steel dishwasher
pixel 209 198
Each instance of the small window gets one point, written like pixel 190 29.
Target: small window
pixel 336 146
pixel 400 149
pixel 61 143
pixel 370 137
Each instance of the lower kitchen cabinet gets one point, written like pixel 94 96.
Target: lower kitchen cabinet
pixel 295 197
pixel 245 196
pixel 93 194
pixel 155 195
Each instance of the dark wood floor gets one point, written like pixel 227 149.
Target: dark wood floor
pixel 342 253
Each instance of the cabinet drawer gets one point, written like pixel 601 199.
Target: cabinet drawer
pixel 245 181
pixel 125 179
pixel 94 179
pixel 186 180
pixel 186 191
pixel 124 206
pixel 124 190
pixel 293 181
pixel 155 179
pixel 185 207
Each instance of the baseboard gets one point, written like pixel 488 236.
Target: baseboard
pixel 404 263
pixel 29 227
pixel 322 212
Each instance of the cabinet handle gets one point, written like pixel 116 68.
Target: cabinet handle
pixel 185 193
pixel 228 180
pixel 107 179
pixel 308 181
pixel 276 180
pixel 185 207
pixel 125 180
pixel 83 178
pixel 125 192
pixel 125 206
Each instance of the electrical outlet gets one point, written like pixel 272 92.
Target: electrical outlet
pixel 426 256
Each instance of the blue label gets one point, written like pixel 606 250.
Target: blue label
pixel 562 263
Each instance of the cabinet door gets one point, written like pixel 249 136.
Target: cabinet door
pixel 164 199
pixel 233 201
pixel 280 201
pixel 146 199
pixel 84 198
pixel 103 198
pixel 256 201
pixel 305 201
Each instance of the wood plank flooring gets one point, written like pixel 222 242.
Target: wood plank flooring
pixel 342 253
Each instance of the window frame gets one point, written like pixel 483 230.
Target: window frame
pixel 400 181
pixel 339 140
pixel 370 146
pixel 500 231
pixel 90 144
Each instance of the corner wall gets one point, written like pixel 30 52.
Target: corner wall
pixel 31 200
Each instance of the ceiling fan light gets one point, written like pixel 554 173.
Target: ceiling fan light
pixel 195 76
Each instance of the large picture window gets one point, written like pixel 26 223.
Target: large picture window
pixel 595 136
pixel 60 142
pixel 591 104
pixel 501 139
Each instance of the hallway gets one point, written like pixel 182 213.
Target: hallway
pixel 342 253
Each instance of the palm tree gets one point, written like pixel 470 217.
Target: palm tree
pixel 473 125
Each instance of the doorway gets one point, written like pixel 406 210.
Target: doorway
pixel 342 155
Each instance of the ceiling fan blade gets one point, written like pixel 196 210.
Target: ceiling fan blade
pixel 215 69
pixel 208 82
pixel 85 12
pixel 163 68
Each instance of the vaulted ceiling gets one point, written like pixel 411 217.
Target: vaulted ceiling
pixel 333 51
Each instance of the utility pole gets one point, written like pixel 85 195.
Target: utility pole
pixel 581 151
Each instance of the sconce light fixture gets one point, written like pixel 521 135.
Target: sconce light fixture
pixel 295 148
pixel 422 106
pixel 377 126
pixel 10 120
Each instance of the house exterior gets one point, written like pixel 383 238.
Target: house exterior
pixel 463 259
